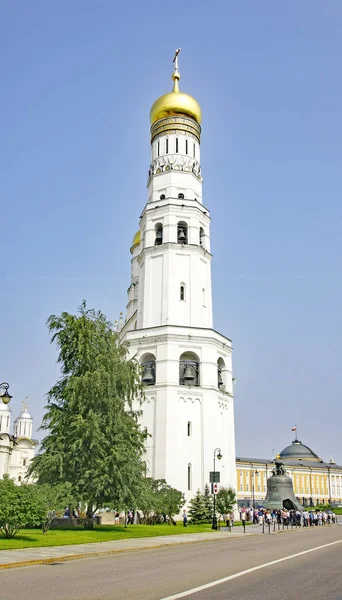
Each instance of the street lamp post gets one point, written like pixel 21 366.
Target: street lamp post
pixel 329 485
pixel 311 498
pixel 5 397
pixel 254 473
pixel 217 453
pixel 253 489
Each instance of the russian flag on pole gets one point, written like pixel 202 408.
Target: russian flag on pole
pixel 294 428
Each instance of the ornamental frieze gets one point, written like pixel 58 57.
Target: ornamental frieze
pixel 175 124
pixel 175 162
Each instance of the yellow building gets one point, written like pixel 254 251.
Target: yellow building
pixel 314 481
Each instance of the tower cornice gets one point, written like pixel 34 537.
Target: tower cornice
pixel 165 333
pixel 193 248
pixel 172 205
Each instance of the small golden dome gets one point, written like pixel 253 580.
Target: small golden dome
pixel 175 103
pixel 136 240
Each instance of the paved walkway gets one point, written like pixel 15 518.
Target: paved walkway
pixel 37 556
pixel 27 556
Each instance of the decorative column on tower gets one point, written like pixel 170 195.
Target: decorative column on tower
pixel 187 369
pixel 6 441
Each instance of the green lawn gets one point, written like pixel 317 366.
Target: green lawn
pixel 337 510
pixel 34 538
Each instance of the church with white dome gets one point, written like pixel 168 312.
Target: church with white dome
pixel 188 408
pixel 18 448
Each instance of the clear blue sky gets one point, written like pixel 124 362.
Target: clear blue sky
pixel 78 79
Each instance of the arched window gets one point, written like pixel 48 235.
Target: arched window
pixel 167 146
pixel 189 369
pixel 24 462
pixel 186 146
pixel 181 196
pixel 203 297
pixel 182 233
pixel 19 477
pixel 158 148
pixel 159 234
pixel 189 428
pixel 189 477
pixel 135 325
pixel 201 236
pixel 148 366
pixel 221 374
pixel 182 291
pixel 176 144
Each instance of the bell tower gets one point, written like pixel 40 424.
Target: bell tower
pixel 186 364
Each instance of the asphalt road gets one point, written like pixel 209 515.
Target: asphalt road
pixel 169 572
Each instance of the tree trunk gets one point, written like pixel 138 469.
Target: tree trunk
pixel 89 521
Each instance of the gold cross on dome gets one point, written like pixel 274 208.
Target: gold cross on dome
pixel 175 58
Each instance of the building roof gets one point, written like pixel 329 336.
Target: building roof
pixel 314 464
pixel 263 461
pixel 24 413
pixel 298 450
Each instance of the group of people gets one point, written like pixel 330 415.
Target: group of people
pixel 229 519
pixel 258 516
pixel 318 517
pixel 74 514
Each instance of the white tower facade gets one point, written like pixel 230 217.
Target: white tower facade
pixel 187 366
pixel 17 450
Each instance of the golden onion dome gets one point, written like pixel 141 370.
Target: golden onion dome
pixel 136 240
pixel 176 102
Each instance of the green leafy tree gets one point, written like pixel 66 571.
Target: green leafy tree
pixel 197 512
pixel 208 502
pixel 171 501
pixel 149 501
pixel 159 498
pixel 52 499
pixel 225 500
pixel 94 441
pixel 19 506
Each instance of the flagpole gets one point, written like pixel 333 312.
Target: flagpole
pixel 296 436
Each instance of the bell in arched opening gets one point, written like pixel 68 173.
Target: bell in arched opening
pixel 189 375
pixel 148 376
pixel 159 237
pixel 181 236
pixel 220 382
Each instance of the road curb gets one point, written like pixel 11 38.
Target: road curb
pixel 68 557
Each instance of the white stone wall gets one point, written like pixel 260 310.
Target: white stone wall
pixel 6 445
pixel 21 456
pixel 169 407
pixel 163 269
